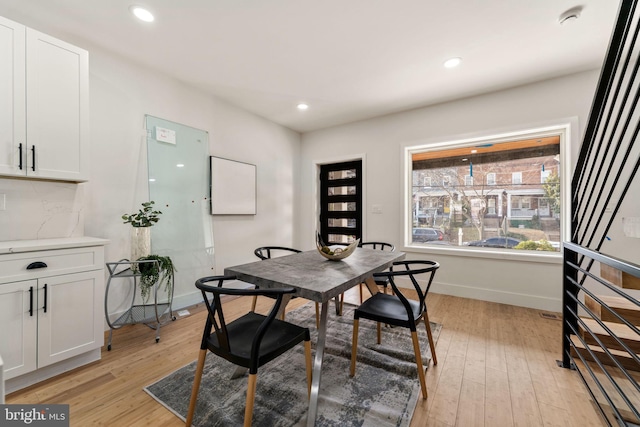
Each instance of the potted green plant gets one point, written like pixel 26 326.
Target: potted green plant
pixel 145 217
pixel 141 222
pixel 160 271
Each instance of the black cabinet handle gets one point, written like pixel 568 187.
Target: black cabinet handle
pixel 31 301
pixel 33 158
pixel 37 264
pixel 20 159
pixel 44 307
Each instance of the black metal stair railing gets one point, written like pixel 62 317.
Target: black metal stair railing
pixel 601 334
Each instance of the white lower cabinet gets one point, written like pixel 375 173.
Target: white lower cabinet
pixel 20 328
pixel 54 316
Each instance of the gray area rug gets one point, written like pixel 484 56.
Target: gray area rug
pixel 383 392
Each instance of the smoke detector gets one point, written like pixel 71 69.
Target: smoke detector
pixel 570 15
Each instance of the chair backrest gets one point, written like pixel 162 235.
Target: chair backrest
pixel 267 252
pixel 411 269
pixel 383 246
pixel 216 320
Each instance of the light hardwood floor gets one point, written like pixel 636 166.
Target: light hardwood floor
pixel 497 367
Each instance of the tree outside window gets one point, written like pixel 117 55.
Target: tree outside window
pixel 490 194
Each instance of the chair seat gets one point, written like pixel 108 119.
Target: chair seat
pixel 280 337
pixel 382 281
pixel 388 309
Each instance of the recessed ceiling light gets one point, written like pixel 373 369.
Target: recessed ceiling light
pixel 452 63
pixel 474 151
pixel 464 160
pixel 180 165
pixel 152 180
pixel 141 13
pixel 303 106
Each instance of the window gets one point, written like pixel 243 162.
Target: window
pixel 544 175
pixel 508 210
pixel 427 181
pixel 491 206
pixel 516 178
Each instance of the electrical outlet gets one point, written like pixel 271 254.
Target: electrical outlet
pixel 376 209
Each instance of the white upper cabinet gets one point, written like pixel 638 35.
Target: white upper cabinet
pixel 44 95
pixel 13 130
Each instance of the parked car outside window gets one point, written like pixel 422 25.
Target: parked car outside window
pixel 421 235
pixel 496 242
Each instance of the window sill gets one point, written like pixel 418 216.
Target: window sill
pixel 497 254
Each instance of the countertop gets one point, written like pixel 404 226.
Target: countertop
pixel 17 246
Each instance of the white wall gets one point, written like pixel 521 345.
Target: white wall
pixel 533 284
pixel 121 94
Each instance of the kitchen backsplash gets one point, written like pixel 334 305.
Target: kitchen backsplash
pixel 40 209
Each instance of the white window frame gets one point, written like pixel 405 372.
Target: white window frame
pixel 468 180
pixel 491 178
pixel 491 206
pixel 516 178
pixel 427 181
pixel 544 175
pixel 567 139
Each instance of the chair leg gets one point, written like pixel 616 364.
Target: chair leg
pixel 361 296
pixel 354 347
pixel 307 355
pixel 196 386
pixel 432 346
pixel 317 316
pixel 379 328
pixel 251 395
pixel 253 304
pixel 341 303
pixel 416 349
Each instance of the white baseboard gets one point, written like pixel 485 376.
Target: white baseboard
pixel 51 371
pixel 503 297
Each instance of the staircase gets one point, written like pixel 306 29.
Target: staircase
pixel 601 306
pixel 601 334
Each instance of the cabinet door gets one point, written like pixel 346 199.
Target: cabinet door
pixel 73 322
pixel 18 332
pixel 57 88
pixel 12 97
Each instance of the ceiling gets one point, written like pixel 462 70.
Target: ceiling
pixel 348 59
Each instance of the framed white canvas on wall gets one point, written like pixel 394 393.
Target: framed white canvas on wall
pixel 233 187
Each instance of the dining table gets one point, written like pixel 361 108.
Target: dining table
pixel 317 279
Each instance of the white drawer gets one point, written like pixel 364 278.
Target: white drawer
pixel 13 267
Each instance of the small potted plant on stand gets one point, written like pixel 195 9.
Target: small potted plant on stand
pixel 160 268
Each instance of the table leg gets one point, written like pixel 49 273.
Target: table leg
pixel 371 285
pixel 317 366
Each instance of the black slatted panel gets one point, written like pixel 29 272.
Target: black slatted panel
pixel 326 199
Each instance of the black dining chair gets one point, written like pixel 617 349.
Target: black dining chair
pixel 250 341
pixel 383 246
pixel 397 310
pixel 268 252
pixel 380 281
